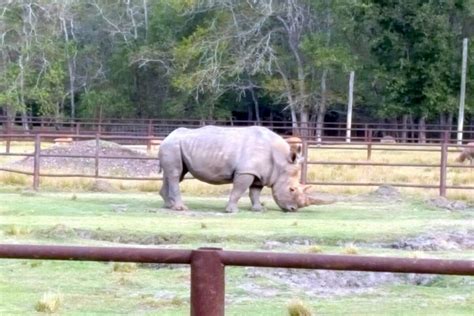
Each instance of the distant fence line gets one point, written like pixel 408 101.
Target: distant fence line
pixel 369 147
pixel 431 133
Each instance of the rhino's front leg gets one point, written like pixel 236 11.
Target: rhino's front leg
pixel 254 193
pixel 240 184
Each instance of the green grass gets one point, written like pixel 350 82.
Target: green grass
pixel 115 219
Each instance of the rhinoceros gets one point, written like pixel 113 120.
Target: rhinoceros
pixel 248 157
pixel 467 153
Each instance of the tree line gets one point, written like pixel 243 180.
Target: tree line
pixel 235 59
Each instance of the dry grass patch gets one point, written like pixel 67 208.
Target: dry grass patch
pixel 124 267
pixel 15 230
pixel 351 249
pixel 296 307
pixel 8 178
pixel 314 249
pixel 49 303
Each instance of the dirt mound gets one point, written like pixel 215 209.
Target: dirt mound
pixel 107 167
pixel 330 283
pixel 444 203
pixel 386 192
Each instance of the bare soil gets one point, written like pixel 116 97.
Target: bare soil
pixel 327 283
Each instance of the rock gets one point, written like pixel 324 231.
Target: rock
pixel 387 139
pixel 444 203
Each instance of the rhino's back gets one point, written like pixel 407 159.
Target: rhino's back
pixel 215 154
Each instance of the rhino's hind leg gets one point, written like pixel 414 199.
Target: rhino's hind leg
pixel 173 173
pixel 171 195
pixel 240 184
pixel 254 193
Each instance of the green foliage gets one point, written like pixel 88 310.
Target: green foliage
pixel 416 44
pixel 105 102
pixel 192 58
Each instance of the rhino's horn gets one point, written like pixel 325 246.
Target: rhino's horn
pixel 315 201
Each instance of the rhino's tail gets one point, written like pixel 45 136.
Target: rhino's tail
pixel 159 167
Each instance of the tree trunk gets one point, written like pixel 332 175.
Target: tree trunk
pixel 304 119
pixel 422 130
pixel 322 107
pixel 394 125
pixel 411 124
pixel 256 105
pixel 404 128
pixel 249 112
pixel 71 65
pixel 442 120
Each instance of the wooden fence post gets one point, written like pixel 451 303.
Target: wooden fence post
pixel 304 165
pixel 150 135
pixel 369 144
pixel 443 165
pixel 36 162
pixel 97 151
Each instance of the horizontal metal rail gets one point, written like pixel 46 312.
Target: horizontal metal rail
pixel 352 263
pixel 375 164
pixel 121 254
pixel 241 258
pixel 376 184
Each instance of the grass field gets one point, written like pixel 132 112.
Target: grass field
pixel 365 225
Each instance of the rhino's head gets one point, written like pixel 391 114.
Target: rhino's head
pixel 293 196
pixel 288 193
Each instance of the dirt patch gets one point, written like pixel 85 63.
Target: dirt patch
pixel 444 203
pixel 107 167
pixel 436 242
pixel 386 192
pixel 62 231
pixel 329 283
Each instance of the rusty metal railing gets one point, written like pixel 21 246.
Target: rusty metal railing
pixel 443 149
pixel 208 265
pixel 370 147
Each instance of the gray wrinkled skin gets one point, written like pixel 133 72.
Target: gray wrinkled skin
pixel 248 157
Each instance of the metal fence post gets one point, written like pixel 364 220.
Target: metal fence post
pixel 97 151
pixel 36 162
pixel 207 283
pixel 443 165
